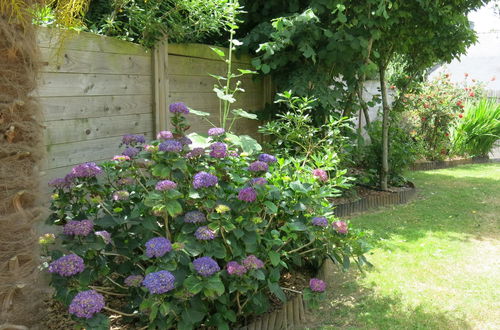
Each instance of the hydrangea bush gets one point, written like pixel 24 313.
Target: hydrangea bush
pixel 190 237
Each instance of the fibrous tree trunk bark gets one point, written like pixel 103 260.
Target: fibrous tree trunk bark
pixel 384 172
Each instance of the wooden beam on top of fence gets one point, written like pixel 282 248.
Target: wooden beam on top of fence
pixel 161 84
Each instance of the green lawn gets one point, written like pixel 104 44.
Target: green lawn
pixel 437 259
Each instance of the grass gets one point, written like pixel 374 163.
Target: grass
pixel 437 259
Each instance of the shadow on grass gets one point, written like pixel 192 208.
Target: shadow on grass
pixel 456 204
pixel 351 306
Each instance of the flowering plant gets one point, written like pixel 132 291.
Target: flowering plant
pixel 189 236
pixel 434 108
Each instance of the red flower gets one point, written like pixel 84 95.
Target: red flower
pixel 392 87
pixel 472 94
pixel 459 103
pixel 460 115
pixel 424 119
pixel 466 75
pixel 493 78
pixel 446 134
pixel 461 106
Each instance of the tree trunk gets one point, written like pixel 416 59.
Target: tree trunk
pixel 384 173
pixel 21 151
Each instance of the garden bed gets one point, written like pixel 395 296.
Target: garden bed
pixel 439 164
pixel 369 198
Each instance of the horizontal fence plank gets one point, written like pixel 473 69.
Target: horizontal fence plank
pixel 182 65
pixel 208 100
pixel 203 51
pixel 76 107
pixel 52 38
pixel 76 84
pixel 64 131
pixel 206 84
pixel 75 61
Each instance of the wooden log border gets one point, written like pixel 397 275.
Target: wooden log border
pixel 371 202
pixel 436 165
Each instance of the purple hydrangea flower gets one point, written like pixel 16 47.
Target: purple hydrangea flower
pixel 159 282
pixel 219 150
pixel 216 131
pixel 121 158
pixel 106 237
pixel 320 174
pixel 133 280
pixel 320 221
pixel 59 183
pixel 170 145
pixel 196 152
pixel 178 107
pixel 317 285
pixel 86 170
pixel 86 303
pixel 185 140
pixel 205 234
pixel 234 268
pixel 68 265
pixel 247 195
pixel 120 195
pixel 340 227
pixel 78 228
pixel 165 135
pixel 258 181
pixel 258 166
pixel 233 154
pixel 130 152
pixel 158 247
pixel 131 139
pixel 165 185
pixel 266 158
pixel 194 217
pixel 204 179
pixel 205 266
pixel 252 262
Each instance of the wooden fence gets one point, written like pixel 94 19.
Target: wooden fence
pixel 94 89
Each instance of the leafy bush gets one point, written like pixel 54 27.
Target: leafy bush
pixel 434 108
pixel 189 237
pixel 478 130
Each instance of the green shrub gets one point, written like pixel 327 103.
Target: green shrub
pixel 190 237
pixel 478 130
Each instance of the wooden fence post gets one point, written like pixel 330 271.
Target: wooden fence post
pixel 161 84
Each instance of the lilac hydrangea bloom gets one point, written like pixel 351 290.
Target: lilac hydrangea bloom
pixel 158 247
pixel 159 282
pixel 205 266
pixel 320 221
pixel 258 166
pixel 86 303
pixel 258 181
pixel 320 174
pixel 185 140
pixel 130 152
pixel 121 158
pixel 216 131
pixel 106 237
pixel 247 195
pixel 121 195
pixel 131 139
pixel 178 107
pixel 59 183
pixel 170 145
pixel 68 265
pixel 317 285
pixel 204 179
pixel 234 268
pixel 133 280
pixel 78 228
pixel 340 227
pixel 194 217
pixel 165 185
pixel 205 234
pixel 86 170
pixel 219 150
pixel 267 158
pixel 252 262
pixel 165 135
pixel 196 152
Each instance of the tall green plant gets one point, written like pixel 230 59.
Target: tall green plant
pixel 479 129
